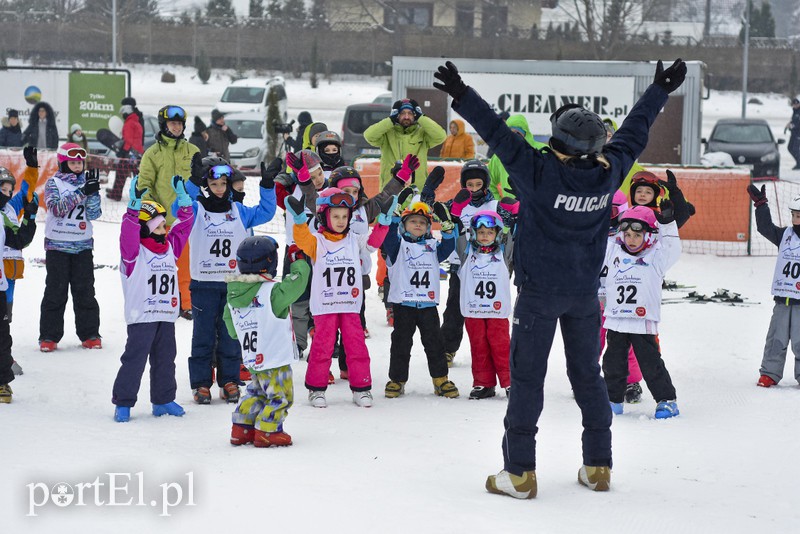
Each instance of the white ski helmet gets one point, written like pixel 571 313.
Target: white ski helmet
pixel 794 205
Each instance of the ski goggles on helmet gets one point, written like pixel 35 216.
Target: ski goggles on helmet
pixel 636 226
pixel 644 177
pixel 417 208
pixel 220 171
pixel 485 221
pixel 73 153
pixel 337 200
pixel 172 113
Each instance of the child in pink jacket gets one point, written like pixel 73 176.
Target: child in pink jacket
pixel 336 288
pixel 149 282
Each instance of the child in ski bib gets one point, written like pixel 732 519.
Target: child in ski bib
pixel 72 199
pixel 486 301
pixel 366 210
pixel 633 391
pixel 636 267
pixel 13 260
pixel 336 289
pixel 16 237
pixel 220 225
pixel 413 256
pixel 784 326
pixel 258 316
pixel 149 275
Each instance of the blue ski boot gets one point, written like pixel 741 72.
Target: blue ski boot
pixel 170 408
pixel 667 409
pixel 122 414
pixel 616 407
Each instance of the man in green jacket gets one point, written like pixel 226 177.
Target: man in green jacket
pixel 498 183
pixel 405 131
pixel 171 155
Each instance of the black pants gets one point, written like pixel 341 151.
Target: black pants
pixel 794 148
pixel 648 353
pixel 452 320
pixel 6 374
pixel 69 273
pixel 406 321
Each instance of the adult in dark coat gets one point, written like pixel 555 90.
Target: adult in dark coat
pixel 220 136
pixel 794 136
pixel 199 137
pixel 565 193
pixel 11 133
pixel 303 121
pixel 42 131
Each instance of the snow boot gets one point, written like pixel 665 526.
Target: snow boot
pixel 667 409
pixel 16 368
pixel 92 343
pixel 242 434
pixel 766 382
pixel 617 408
pixel 390 317
pixel 202 395
pixel 122 414
pixel 317 399
pixel 229 393
pixel 480 392
pixel 170 408
pixel 5 394
pixel 508 391
pixel 363 398
pixel 519 487
pixel 633 393
pixel 596 478
pixel 450 356
pixel 272 439
pixel 331 379
pixel 443 387
pixel 244 374
pixel 187 314
pixel 394 389
pixel 45 345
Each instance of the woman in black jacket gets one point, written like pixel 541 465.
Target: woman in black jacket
pixel 42 131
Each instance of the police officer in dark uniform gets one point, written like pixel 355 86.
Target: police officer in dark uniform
pixel 565 193
pixel 794 133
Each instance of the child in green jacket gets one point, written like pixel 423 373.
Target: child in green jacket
pixel 258 315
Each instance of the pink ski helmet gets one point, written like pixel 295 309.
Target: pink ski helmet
pixel 619 204
pixel 639 219
pixel 70 152
pixel 332 197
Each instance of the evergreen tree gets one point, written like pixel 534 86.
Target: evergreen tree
pixel 274 139
pixel 317 18
pixel 220 9
pixel 294 11
pixel 762 23
pixel 535 33
pixel 551 33
pixel 314 61
pixel 256 9
pixel 274 10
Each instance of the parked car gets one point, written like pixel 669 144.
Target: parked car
pixel 252 94
pixel 750 143
pixel 251 148
pixel 384 98
pixel 357 118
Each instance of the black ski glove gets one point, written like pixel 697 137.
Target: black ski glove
pixel 31 158
pixel 32 207
pixel 268 173
pixel 432 182
pixel 758 196
pixel 451 81
pixel 671 78
pixel 92 184
pixel 196 176
pixel 666 213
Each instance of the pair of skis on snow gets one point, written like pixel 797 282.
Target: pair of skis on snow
pixel 720 296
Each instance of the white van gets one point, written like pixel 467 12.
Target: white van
pixel 250 95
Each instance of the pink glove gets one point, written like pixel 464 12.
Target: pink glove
pixel 461 201
pixel 298 165
pixel 511 205
pixel 410 164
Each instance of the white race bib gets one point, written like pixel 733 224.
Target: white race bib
pixel 336 285
pixel 485 285
pixel 213 243
pixel 786 278
pixel 151 291
pixel 414 275
pixel 76 226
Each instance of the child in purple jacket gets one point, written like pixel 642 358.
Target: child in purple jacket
pixel 148 270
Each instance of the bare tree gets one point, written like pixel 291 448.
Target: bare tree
pixel 608 24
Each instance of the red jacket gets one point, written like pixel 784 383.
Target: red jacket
pixel 132 134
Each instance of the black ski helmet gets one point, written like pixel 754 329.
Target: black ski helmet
pixel 257 255
pixel 170 113
pixel 577 131
pixel 341 173
pixel 475 169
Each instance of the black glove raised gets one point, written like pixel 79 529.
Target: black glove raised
pixel 268 176
pixel 758 196
pixel 671 78
pixel 196 176
pixel 92 184
pixel 417 109
pixel 395 113
pixel 666 213
pixel 432 182
pixel 451 81
pixel 31 158
pixel 671 184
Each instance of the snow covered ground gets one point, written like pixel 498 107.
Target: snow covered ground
pixel 414 464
